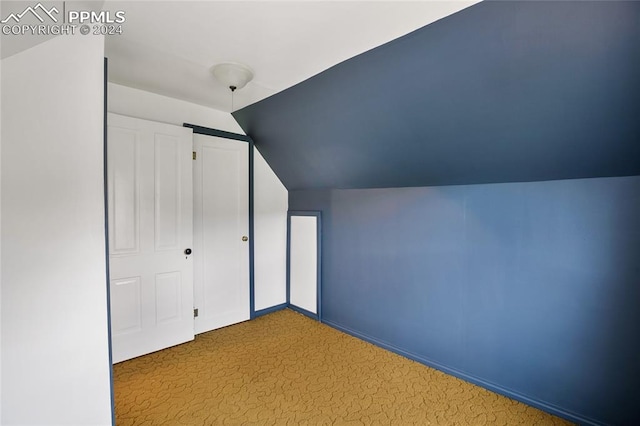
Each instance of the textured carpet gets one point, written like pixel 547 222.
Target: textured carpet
pixel 284 368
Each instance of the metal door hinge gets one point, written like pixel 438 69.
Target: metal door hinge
pixel 195 312
pixel 194 155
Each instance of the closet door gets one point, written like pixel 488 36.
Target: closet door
pixel 150 229
pixel 221 230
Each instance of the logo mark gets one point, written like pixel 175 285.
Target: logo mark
pixel 34 11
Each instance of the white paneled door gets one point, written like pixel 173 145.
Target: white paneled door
pixel 150 229
pixel 221 230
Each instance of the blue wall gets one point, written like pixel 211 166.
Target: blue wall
pixel 533 288
pixel 527 90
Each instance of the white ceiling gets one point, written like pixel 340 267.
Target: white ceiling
pixel 12 44
pixel 169 47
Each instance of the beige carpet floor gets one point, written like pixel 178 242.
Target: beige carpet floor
pixel 285 368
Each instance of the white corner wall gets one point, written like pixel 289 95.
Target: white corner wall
pixel 55 354
pixel 0 234
pixel 304 263
pixel 271 202
pixel 270 196
pixel 151 106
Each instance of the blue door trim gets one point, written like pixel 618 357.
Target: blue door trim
pixel 201 130
pixel 252 295
pixel 318 215
pixel 106 236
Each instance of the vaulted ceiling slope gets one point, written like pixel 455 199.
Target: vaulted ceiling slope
pixel 503 91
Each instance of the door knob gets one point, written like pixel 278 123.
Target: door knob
pixel 187 251
pixel 245 238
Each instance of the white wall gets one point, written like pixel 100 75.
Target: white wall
pixel 271 202
pixel 270 196
pixel 150 106
pixel 304 263
pixel 55 357
pixel 0 238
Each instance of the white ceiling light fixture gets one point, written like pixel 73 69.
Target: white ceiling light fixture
pixel 234 76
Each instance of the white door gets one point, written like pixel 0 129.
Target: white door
pixel 221 230
pixel 150 227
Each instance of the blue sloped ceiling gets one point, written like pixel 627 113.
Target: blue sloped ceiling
pixel 502 91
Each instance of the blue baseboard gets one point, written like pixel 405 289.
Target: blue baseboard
pixel 304 312
pixel 285 305
pixel 266 311
pixel 549 408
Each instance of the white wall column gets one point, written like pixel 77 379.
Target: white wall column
pixel 271 202
pixel 55 357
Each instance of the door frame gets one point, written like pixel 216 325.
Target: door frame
pixel 105 122
pixel 318 215
pixel 201 130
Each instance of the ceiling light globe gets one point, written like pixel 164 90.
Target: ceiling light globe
pixel 232 75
